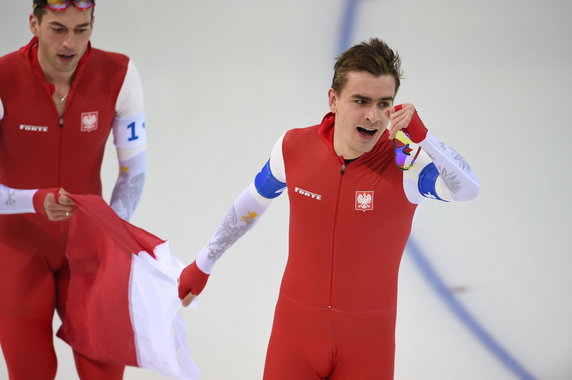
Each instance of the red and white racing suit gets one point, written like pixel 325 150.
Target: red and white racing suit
pixel 40 150
pixel 349 223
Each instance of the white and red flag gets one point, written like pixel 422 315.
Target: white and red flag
pixel 122 304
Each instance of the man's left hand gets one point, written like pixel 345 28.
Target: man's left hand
pixel 404 116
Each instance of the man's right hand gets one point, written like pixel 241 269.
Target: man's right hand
pixel 191 283
pixel 54 204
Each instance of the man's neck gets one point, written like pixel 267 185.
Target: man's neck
pixel 54 77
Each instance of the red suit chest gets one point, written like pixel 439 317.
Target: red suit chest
pixel 348 223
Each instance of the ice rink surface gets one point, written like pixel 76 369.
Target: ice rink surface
pixel 224 79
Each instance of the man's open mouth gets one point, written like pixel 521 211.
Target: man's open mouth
pixel 366 132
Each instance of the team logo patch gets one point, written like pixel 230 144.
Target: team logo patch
pixel 89 121
pixel 33 128
pixel 364 200
pixel 307 193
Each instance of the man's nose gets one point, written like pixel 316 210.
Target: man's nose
pixel 373 114
pixel 69 40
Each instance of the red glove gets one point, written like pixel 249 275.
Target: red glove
pixel 40 197
pixel 192 280
pixel 416 130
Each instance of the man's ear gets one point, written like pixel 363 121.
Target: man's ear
pixel 332 100
pixel 34 25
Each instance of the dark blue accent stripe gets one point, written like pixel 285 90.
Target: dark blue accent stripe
pixel 427 180
pixel 266 184
pixel 419 257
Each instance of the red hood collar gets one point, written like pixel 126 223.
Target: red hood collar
pixel 326 130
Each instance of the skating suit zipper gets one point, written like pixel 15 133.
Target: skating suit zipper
pixel 333 253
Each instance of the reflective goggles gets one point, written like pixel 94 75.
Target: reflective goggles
pixel 60 5
pixel 406 151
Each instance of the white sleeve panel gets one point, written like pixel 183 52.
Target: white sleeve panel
pixel 130 100
pixel 440 173
pixel 1 110
pixel 129 122
pixel 16 201
pixel 242 216
pixel 455 173
pixel 277 161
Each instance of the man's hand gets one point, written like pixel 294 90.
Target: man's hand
pixel 53 203
pixel 191 283
pixel 404 116
pixel 58 206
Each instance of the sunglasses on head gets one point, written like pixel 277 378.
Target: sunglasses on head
pixel 406 151
pixel 60 5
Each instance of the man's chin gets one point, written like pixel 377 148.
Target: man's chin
pixel 367 145
pixel 67 68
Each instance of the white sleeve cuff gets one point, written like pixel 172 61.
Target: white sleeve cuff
pixel 15 201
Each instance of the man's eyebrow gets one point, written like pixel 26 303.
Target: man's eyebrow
pixel 55 23
pixel 59 24
pixel 362 97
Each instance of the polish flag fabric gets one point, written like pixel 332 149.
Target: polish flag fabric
pixel 122 305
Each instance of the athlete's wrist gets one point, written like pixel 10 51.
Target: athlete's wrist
pixel 416 130
pixel 192 280
pixel 39 199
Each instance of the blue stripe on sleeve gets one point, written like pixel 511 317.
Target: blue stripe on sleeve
pixel 427 180
pixel 266 184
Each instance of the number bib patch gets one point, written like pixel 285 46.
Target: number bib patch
pixel 129 132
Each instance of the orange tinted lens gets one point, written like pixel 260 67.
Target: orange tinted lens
pixel 57 4
pixel 83 4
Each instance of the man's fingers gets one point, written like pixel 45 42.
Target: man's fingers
pixel 63 198
pixel 188 299
pixel 58 211
pixel 397 123
pixel 59 214
pixel 68 205
pixel 50 198
pixel 400 118
pixel 66 201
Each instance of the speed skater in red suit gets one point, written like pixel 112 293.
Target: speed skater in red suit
pixel 59 101
pixel 353 172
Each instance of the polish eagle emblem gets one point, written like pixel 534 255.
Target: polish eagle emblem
pixel 88 121
pixel 364 200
